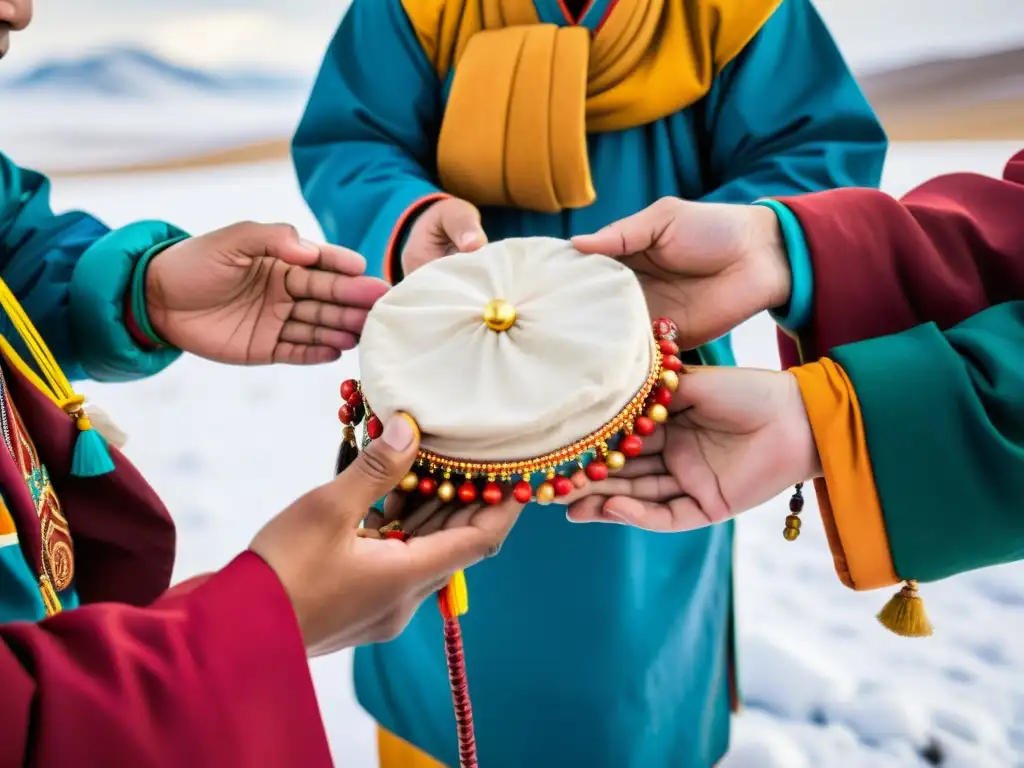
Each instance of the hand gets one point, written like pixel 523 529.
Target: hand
pixel 707 266
pixel 446 227
pixel 735 438
pixel 348 589
pixel 254 294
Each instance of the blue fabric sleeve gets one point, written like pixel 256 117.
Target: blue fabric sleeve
pixel 71 273
pixel 786 116
pixel 364 150
pixel 796 313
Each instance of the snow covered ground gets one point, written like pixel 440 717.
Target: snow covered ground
pixel 825 685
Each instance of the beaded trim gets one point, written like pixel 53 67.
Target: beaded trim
pixel 638 418
pixel 596 441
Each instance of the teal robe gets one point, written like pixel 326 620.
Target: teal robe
pixel 598 646
pixel 71 274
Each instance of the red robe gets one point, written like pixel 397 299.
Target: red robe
pixel 213 673
pixel 949 249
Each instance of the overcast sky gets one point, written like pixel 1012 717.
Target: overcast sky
pixel 872 33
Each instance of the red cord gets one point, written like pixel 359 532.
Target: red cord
pixel 460 688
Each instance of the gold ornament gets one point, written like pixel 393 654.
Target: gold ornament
pixel 545 493
pixel 615 460
pixel 499 315
pixel 658 413
pixel 410 482
pixel 446 491
pixel 669 380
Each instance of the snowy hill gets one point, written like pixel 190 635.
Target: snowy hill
pixel 126 72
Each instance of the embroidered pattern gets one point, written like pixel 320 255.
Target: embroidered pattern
pixel 58 559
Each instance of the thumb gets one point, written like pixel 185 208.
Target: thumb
pixel 633 234
pixel 279 241
pixel 379 468
pixel 460 221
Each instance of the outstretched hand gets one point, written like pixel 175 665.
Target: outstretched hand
pixel 735 438
pixel 254 294
pixel 706 266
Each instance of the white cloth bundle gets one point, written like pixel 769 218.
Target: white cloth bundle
pixel 580 348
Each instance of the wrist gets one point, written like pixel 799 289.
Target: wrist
pixel 801 442
pixel 148 299
pixel 769 259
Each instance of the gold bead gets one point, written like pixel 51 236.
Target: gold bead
pixel 658 413
pixel 792 521
pixel 410 482
pixel 545 493
pixel 669 380
pixel 790 534
pixel 446 491
pixel 499 315
pixel 615 461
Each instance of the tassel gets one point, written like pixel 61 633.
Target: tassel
pixel 51 602
pixel 904 614
pixel 458 594
pixel 453 600
pixel 91 457
pixel 347 452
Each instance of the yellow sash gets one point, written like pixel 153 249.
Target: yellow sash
pixel 525 94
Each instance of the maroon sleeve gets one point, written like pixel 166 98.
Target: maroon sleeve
pixel 949 249
pixel 211 675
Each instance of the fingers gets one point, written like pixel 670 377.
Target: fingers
pixel 280 241
pixel 459 545
pixel 316 335
pixel 460 222
pixel 678 514
pixel 341 290
pixel 286 353
pixel 633 234
pixel 327 315
pixel 334 258
pixel 378 468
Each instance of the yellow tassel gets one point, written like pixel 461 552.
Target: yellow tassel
pixel 51 602
pixel 904 614
pixel 458 594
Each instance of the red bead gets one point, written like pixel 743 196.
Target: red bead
pixel 427 486
pixel 491 494
pixel 348 388
pixel 346 414
pixel 563 485
pixel 467 493
pixel 670 363
pixel 523 492
pixel 631 445
pixel 665 329
pixel 668 347
pixel 374 428
pixel 597 471
pixel 355 399
pixel 663 396
pixel 395 534
pixel 644 426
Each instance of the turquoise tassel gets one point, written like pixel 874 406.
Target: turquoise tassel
pixel 91 457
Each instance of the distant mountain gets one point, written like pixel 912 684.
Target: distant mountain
pixel 975 97
pixel 134 73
